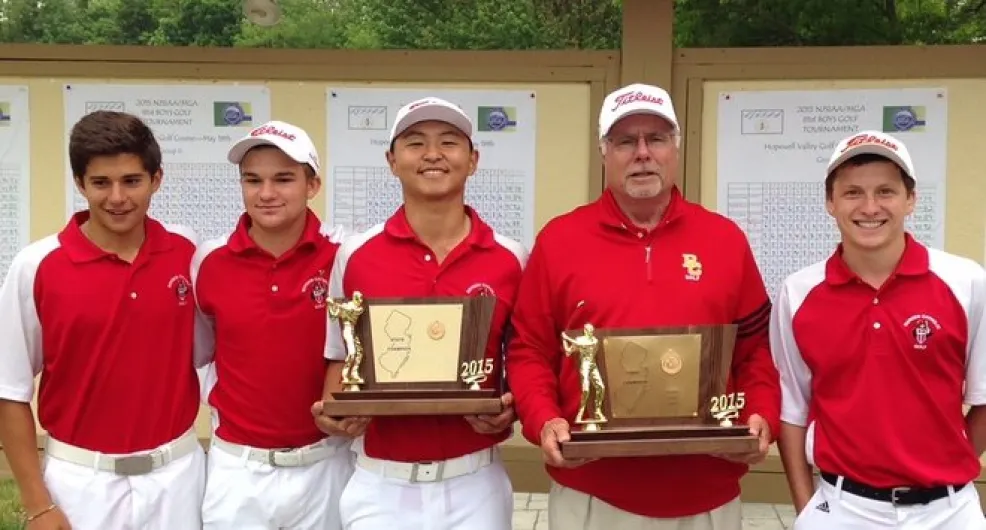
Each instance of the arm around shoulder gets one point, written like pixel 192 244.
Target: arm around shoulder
pixel 204 344
pixel 795 381
pixel 533 349
pixel 753 368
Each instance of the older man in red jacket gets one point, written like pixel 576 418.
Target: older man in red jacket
pixel 639 256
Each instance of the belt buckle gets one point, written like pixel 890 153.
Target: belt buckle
pixel 134 465
pixel 439 468
pixel 272 456
pixel 287 452
pixel 895 491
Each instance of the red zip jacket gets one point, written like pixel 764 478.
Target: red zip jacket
pixel 593 265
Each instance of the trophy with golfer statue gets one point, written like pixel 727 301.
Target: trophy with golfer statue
pixel 415 356
pixel 655 391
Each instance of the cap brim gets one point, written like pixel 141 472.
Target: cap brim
pixel 649 111
pixel 433 113
pixel 239 150
pixel 870 149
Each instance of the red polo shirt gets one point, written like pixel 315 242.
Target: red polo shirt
pixel 112 340
pixel 876 375
pixel 264 328
pixel 388 261
pixel 593 265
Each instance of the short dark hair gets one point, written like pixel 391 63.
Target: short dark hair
pixel 862 160
pixel 111 133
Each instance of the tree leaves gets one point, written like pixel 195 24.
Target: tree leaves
pixel 489 24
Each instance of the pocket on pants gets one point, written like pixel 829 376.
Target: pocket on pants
pixel 816 504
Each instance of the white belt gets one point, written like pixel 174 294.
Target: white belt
pixel 427 471
pixel 298 457
pixel 140 463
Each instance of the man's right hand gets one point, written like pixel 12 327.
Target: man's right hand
pixel 351 427
pixel 52 520
pixel 554 432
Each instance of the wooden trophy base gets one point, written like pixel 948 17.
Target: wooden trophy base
pixel 658 441
pixel 412 403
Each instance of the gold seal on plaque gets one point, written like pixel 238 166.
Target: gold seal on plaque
pixel 436 330
pixel 671 362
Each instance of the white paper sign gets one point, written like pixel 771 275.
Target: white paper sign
pixel 363 192
pixel 773 149
pixel 195 126
pixel 15 173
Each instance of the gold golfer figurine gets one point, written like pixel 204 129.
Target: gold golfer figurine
pixel 348 314
pixel 586 345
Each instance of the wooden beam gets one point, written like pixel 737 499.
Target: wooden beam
pixel 318 59
pixel 648 42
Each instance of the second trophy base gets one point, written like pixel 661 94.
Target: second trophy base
pixel 659 441
pixel 412 403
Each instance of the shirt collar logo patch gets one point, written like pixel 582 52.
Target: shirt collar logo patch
pixel 921 328
pixel 692 266
pixel 180 285
pixel 317 289
pixel 480 289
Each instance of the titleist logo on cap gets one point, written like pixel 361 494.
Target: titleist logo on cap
pixel 418 104
pixel 633 97
pixel 273 131
pixel 867 139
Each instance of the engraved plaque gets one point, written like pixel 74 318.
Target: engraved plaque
pixel 663 392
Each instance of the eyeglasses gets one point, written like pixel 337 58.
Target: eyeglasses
pixel 655 142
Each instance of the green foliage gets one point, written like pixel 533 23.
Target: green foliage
pixel 11 514
pixel 488 24
pixel 713 23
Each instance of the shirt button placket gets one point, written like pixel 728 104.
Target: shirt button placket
pixel 433 270
pixel 272 274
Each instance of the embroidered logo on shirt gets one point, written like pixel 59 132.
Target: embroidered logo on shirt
pixel 317 289
pixel 922 328
pixel 480 289
pixel 823 507
pixel 693 267
pixel 180 285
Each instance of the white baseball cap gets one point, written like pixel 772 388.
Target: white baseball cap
pixel 637 98
pixel 871 143
pixel 428 109
pixel 292 140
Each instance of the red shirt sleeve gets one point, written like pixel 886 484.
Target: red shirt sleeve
pixel 753 370
pixel 533 354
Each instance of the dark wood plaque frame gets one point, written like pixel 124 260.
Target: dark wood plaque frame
pixel 423 398
pixel 701 434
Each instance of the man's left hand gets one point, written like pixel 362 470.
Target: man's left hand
pixel 486 424
pixel 760 429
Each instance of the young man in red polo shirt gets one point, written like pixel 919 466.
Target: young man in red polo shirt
pixel 639 256
pixel 104 312
pixel 878 347
pixel 418 473
pixel 261 293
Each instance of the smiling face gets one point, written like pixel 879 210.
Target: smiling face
pixel 870 199
pixel 433 160
pixel 118 189
pixel 276 189
pixel 641 157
